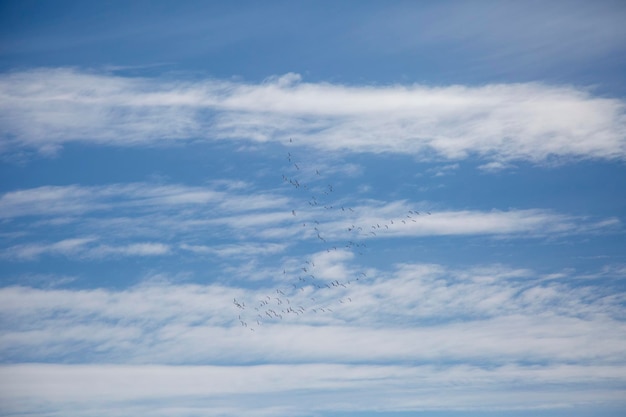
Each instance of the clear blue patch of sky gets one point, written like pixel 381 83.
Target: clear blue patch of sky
pixel 347 42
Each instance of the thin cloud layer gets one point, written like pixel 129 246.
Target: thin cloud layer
pixel 43 109
pixel 423 328
pixel 144 219
pixel 410 313
pixel 276 390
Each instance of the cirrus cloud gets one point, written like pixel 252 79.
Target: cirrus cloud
pixel 46 108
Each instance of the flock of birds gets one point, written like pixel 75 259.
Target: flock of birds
pixel 302 290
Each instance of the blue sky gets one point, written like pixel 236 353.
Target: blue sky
pixel 329 209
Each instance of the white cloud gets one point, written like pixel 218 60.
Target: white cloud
pixel 67 247
pixel 133 249
pixel 46 108
pixel 82 248
pixel 236 250
pixel 141 219
pixel 495 166
pixel 401 218
pixel 481 330
pixel 491 315
pixel 76 199
pixel 272 390
pixel 130 219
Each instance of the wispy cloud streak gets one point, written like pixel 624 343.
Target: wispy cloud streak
pixel 423 328
pixel 412 313
pixel 94 390
pixel 45 108
pixel 139 219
